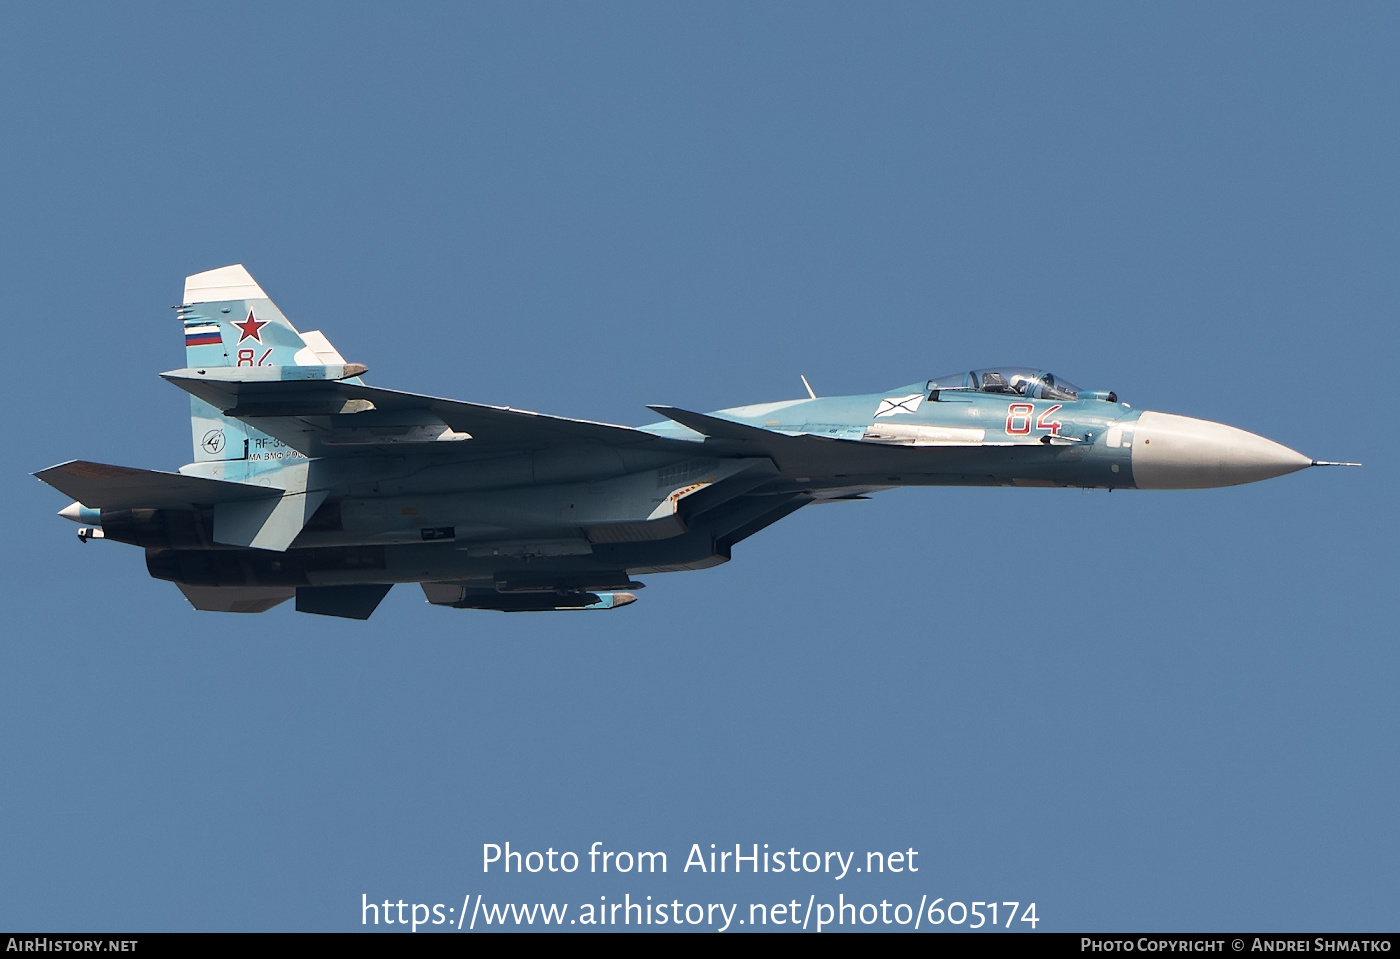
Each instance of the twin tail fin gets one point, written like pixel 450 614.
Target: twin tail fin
pixel 230 322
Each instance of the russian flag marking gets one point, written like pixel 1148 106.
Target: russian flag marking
pixel 205 334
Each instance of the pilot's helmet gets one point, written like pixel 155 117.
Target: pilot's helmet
pixel 1020 383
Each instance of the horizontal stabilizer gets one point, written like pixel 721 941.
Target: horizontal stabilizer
pixel 101 486
pixel 237 375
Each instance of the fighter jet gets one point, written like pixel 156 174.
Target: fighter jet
pixel 309 484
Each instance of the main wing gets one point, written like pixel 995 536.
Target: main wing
pixel 323 416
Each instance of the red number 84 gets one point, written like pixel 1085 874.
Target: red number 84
pixel 1018 418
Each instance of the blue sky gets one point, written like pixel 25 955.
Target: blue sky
pixel 1152 711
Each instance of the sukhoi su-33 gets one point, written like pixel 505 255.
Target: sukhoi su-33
pixel 309 484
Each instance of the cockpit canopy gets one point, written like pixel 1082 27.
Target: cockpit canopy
pixel 1009 380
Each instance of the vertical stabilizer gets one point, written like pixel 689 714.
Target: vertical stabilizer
pixel 229 321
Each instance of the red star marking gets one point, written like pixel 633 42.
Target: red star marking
pixel 250 327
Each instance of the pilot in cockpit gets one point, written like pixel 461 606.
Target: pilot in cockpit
pixel 1021 384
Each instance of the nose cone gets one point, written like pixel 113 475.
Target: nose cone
pixel 1178 452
